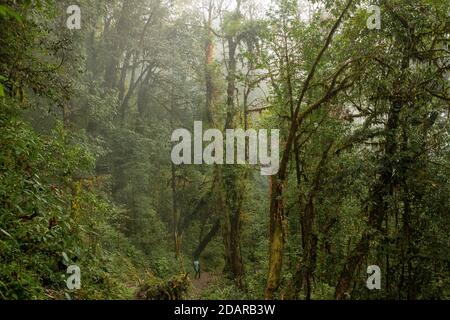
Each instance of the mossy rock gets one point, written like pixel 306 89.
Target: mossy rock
pixel 174 289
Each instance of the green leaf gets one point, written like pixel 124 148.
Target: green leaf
pixel 7 11
pixel 65 257
pixel 6 233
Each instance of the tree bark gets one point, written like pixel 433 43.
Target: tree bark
pixel 206 240
pixel 230 178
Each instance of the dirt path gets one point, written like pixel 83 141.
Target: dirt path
pixel 199 285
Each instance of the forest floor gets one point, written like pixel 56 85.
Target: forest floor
pixel 200 285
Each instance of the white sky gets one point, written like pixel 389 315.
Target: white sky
pixel 304 6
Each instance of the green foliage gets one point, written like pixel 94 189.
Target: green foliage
pixel 48 219
pixel 224 289
pixel 6 11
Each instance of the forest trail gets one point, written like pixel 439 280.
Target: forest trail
pixel 199 285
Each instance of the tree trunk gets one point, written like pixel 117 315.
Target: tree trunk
pixel 206 240
pixel 230 178
pixel 382 189
pixel 277 219
pixel 209 64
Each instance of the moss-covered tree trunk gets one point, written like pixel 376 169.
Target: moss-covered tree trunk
pixel 231 182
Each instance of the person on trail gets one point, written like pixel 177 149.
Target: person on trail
pixel 197 269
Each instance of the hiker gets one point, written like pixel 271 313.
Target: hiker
pixel 197 269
